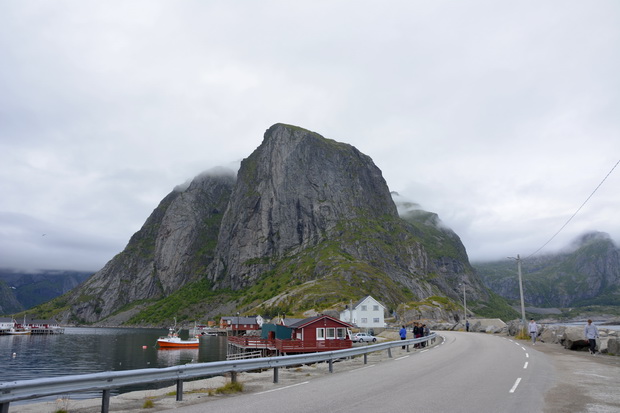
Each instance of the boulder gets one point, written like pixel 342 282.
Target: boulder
pixel 613 346
pixel 573 339
pixel 552 334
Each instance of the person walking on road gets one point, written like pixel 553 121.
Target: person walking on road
pixel 591 333
pixel 533 329
pixel 403 334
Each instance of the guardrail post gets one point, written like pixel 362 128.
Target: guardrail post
pixel 408 351
pixel 390 352
pixel 331 365
pixel 179 390
pixel 233 376
pixel 105 401
pixel 275 374
pixel 365 358
pixel 4 407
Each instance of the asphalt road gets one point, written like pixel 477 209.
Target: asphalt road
pixel 465 373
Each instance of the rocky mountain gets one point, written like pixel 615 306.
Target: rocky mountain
pixel 587 273
pixel 307 224
pixel 174 246
pixel 23 290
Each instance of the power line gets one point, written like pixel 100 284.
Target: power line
pixel 576 212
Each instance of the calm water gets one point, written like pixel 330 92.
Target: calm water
pixel 91 350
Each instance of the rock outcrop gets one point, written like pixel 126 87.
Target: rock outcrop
pixel 174 246
pixel 307 222
pixel 291 194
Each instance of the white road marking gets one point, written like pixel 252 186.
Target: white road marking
pixel 525 365
pixel 282 388
pixel 527 355
pixel 523 348
pixel 515 385
pixel 400 358
pixel 595 375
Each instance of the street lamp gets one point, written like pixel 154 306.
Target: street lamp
pixel 237 328
pixel 518 259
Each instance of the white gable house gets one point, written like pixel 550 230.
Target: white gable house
pixel 366 313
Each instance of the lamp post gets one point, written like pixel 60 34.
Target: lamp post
pixel 518 259
pixel 237 328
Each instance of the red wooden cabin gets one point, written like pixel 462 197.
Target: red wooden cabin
pixel 320 333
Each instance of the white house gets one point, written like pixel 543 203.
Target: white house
pixel 366 313
pixel 6 323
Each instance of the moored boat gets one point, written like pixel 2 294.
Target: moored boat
pixel 19 330
pixel 173 340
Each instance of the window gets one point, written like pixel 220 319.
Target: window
pixel 364 320
pixel 375 308
pixel 341 332
pixel 364 308
pixel 331 333
pixel 320 334
pixel 375 320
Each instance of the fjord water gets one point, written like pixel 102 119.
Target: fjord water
pixel 91 350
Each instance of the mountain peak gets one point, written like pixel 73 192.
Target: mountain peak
pixel 589 237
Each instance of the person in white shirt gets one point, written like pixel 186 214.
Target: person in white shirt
pixel 533 330
pixel 591 333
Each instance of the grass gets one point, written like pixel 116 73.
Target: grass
pixel 522 335
pixel 230 388
pixel 148 403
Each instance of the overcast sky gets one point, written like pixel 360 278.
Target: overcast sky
pixel 502 117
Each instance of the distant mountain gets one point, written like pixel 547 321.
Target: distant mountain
pixel 586 274
pixel 23 290
pixel 307 224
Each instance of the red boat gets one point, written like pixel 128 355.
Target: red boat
pixel 173 340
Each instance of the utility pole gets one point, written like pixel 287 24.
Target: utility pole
pixel 518 259
pixel 464 303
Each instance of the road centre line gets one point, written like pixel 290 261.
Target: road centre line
pixel 282 388
pixel 527 355
pixel 515 385
pixel 525 365
pixel 523 348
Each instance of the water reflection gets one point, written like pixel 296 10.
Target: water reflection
pixel 90 350
pixel 175 357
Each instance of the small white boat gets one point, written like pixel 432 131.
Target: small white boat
pixel 19 331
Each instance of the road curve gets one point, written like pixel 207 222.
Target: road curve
pixel 465 373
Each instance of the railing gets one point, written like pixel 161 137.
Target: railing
pixel 106 381
pixel 302 346
pixel 290 346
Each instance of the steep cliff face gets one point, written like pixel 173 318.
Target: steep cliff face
pixel 8 302
pixel 307 223
pixel 28 289
pixel 589 274
pixel 290 195
pixel 313 213
pixel 173 247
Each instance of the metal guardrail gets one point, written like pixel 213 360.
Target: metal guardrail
pixel 31 389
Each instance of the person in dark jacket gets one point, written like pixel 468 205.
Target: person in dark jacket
pixel 416 333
